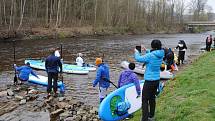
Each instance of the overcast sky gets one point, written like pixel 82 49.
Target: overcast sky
pixel 212 4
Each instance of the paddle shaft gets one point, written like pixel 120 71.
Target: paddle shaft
pixel 14 59
pixel 61 50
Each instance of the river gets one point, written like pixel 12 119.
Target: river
pixel 115 49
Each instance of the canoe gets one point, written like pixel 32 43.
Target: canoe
pixel 140 70
pixel 67 68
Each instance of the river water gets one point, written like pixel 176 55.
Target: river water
pixel 115 49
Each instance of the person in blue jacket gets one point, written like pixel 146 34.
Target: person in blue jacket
pixel 102 78
pixel 52 65
pixel 153 61
pixel 24 72
pixel 128 76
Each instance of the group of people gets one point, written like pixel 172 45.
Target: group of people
pixel 152 60
pixel 52 64
pixel 209 41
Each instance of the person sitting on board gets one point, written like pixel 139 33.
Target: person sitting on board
pixel 181 53
pixel 52 65
pixel 24 72
pixel 152 61
pixel 79 60
pixel 128 76
pixel 102 78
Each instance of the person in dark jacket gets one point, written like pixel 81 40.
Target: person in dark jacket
pixel 102 78
pixel 181 53
pixel 208 43
pixel 24 72
pixel 153 61
pixel 128 76
pixel 52 65
pixel 169 58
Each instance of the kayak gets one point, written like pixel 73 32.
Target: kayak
pixel 67 68
pixel 204 47
pixel 139 69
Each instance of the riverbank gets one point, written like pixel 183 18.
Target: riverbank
pixel 61 33
pixel 191 95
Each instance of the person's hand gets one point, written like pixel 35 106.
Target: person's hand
pixel 94 85
pixel 135 50
pixel 14 65
pixel 138 96
pixel 143 48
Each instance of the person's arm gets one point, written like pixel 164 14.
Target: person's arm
pixel 34 74
pixel 98 77
pixel 60 65
pixel 46 65
pixel 18 68
pixel 119 81
pixel 137 84
pixel 140 58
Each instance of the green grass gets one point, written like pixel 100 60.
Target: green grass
pixel 191 97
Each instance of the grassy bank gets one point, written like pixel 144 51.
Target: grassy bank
pixel 191 97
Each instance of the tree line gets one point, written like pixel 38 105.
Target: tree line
pixel 144 15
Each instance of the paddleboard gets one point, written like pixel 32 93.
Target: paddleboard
pixel 122 98
pixel 67 68
pixel 140 70
pixel 42 80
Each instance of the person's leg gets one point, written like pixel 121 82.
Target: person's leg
pixel 55 78
pixel 145 109
pixel 49 87
pixel 152 103
pixel 102 93
pixel 182 57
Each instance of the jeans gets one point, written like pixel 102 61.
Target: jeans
pixel 51 76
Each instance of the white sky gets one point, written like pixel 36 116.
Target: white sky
pixel 212 4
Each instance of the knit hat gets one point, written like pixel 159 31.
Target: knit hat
pixel 98 61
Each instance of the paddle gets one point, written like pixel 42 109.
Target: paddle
pixel 14 59
pixel 62 89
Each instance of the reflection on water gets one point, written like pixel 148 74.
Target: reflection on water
pixel 114 49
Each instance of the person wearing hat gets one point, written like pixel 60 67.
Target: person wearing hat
pixel 102 78
pixel 79 60
pixel 152 61
pixel 52 65
pixel 24 72
pixel 128 76
pixel 181 53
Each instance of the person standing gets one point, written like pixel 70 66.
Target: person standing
pixel 52 65
pixel 214 41
pixel 181 53
pixel 153 61
pixel 24 72
pixel 128 76
pixel 102 78
pixel 208 43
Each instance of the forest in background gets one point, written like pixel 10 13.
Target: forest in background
pixel 66 18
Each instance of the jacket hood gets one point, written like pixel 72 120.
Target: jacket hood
pixel 158 53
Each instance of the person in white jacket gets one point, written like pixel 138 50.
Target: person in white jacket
pixel 79 60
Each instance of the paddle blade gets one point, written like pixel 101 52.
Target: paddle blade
pixel 15 79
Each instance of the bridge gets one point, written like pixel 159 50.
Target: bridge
pixel 200 25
